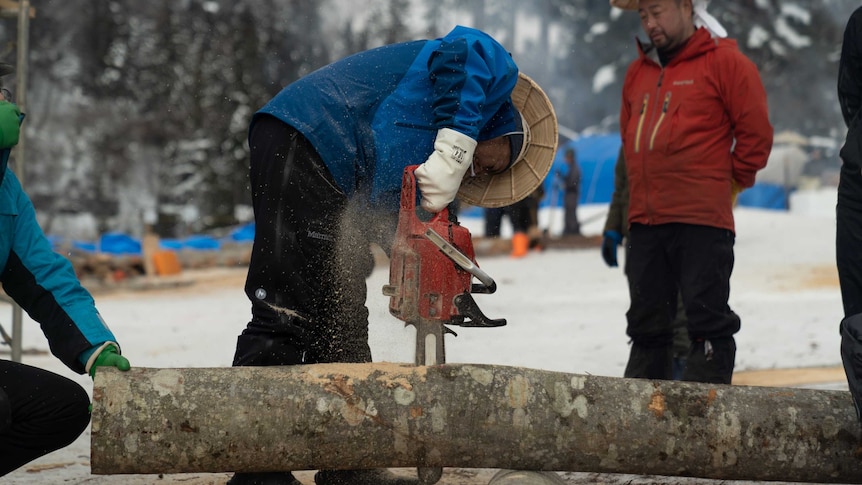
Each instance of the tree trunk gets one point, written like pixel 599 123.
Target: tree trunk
pixel 327 416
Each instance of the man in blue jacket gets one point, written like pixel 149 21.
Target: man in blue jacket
pixel 327 158
pixel 41 411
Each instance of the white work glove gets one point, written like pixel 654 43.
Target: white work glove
pixel 439 178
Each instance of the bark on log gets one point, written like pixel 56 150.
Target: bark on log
pixel 327 416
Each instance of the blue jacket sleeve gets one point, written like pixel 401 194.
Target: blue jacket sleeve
pixel 44 283
pixel 473 77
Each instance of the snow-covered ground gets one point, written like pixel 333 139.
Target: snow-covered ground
pixel 565 312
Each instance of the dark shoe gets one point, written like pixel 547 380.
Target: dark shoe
pixel 650 362
pixel 379 476
pixel 711 361
pixel 851 357
pixel 272 478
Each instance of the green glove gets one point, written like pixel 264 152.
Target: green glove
pixel 110 358
pixel 10 124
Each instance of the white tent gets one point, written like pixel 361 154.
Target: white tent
pixel 785 165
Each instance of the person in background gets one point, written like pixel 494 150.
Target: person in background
pixel 40 411
pixel 328 155
pixel 494 220
pixel 615 234
pixel 571 193
pixel 695 129
pixel 848 211
pixel 524 216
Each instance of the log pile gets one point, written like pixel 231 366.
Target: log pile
pixel 98 270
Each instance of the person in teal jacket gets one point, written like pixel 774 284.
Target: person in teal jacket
pixel 41 411
pixel 328 155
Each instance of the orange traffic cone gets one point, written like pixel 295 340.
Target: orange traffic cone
pixel 520 244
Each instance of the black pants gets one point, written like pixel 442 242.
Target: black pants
pixel 571 224
pixel 697 262
pixel 848 239
pixel 519 216
pixel 310 258
pixel 40 412
pixel 681 343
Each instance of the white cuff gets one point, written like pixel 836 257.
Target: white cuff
pixel 95 354
pixel 439 178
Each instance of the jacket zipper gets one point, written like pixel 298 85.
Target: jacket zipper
pixel 660 119
pixel 644 165
pixel 641 123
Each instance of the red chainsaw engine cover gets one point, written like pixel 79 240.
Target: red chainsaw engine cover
pixel 423 280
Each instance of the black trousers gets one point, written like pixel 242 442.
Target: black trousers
pixel 571 224
pixel 519 215
pixel 681 343
pixel 848 239
pixel 40 412
pixel 310 258
pixel 694 262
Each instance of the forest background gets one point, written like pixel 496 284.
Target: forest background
pixel 137 112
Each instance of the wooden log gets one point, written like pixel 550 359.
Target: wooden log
pixel 328 416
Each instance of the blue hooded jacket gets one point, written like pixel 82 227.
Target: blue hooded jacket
pixel 42 281
pixel 371 114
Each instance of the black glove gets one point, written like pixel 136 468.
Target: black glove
pixel 610 241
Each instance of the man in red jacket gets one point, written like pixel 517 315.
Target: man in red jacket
pixel 695 129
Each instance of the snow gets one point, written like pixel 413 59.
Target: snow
pixel 796 12
pixel 757 36
pixel 605 76
pixel 794 39
pixel 565 312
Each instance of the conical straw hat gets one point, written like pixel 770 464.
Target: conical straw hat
pixel 625 4
pixel 531 168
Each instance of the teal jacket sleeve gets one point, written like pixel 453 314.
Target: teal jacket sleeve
pixel 44 282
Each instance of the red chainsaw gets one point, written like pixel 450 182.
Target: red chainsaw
pixel 431 271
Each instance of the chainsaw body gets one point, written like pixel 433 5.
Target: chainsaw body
pixel 432 266
pixel 426 281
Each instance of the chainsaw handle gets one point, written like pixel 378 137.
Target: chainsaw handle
pixel 408 195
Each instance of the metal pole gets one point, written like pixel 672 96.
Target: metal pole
pixel 20 150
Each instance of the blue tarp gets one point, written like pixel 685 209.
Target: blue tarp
pixel 171 244
pixel 765 196
pixel 243 233
pixel 117 243
pixel 88 247
pixel 207 243
pixel 191 242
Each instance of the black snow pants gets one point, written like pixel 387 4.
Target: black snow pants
pixel 697 262
pixel 848 239
pixel 310 257
pixel 40 412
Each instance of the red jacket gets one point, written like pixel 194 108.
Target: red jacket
pixel 679 124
